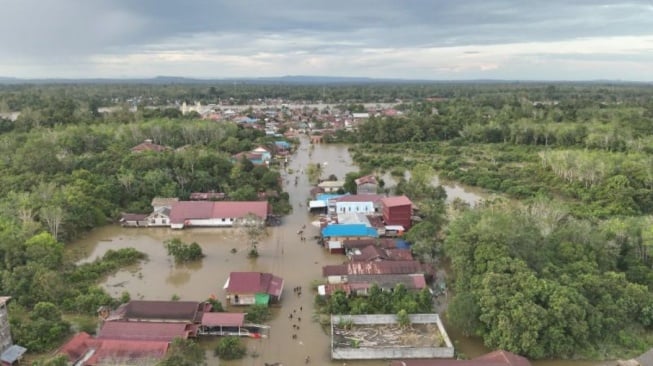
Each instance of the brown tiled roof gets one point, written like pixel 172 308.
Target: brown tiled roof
pixel 395 201
pixel 144 331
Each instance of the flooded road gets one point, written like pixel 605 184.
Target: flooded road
pixel 281 252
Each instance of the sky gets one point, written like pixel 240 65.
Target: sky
pixel 404 39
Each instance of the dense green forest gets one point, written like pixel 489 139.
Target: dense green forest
pixel 563 268
pixel 67 169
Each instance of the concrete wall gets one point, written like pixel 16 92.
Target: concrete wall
pixel 356 207
pixel 386 352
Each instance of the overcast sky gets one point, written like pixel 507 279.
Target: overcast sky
pixel 413 39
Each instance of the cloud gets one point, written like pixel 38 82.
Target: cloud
pixel 381 38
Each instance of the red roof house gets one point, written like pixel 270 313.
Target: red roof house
pixel 215 214
pixel 366 185
pixel 145 331
pixel 496 358
pixel 83 350
pixel 160 311
pixel 397 210
pixel 372 268
pixel 248 288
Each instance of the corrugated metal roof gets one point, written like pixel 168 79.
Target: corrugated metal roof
pixel 254 282
pixel 223 319
pixel 395 201
pixel 13 354
pixel 337 230
pixel 360 198
pixel 185 210
pixel 373 268
pixel 496 358
pixel 185 311
pixel 143 331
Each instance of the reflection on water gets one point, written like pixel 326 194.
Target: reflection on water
pixel 281 252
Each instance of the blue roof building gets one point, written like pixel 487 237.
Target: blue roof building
pixel 282 144
pixel 349 230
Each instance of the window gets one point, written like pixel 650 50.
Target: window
pixel 165 221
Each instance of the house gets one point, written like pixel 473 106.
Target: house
pixel 230 324
pixel 158 202
pixel 148 145
pixel 348 231
pixel 133 220
pixel 339 273
pixel 360 284
pixel 374 253
pixel 160 311
pixel 358 116
pixel 282 145
pixel 397 210
pixel 9 352
pixel 146 331
pixel 207 196
pixel 360 243
pixel 249 288
pixel 332 186
pixel 215 214
pixel 83 350
pixel 366 185
pixel 160 217
pixel 12 355
pixel 358 203
pixel 254 158
pixel 266 155
pixel 496 358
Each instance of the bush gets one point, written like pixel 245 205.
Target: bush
pixel 257 314
pixel 230 348
pixel 183 252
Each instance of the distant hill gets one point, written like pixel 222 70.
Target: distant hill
pixel 288 79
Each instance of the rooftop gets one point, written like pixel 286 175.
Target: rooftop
pixel 395 201
pixel 144 331
pixel 360 198
pixel 360 230
pixel 223 319
pixel 496 358
pixel 254 282
pixel 185 311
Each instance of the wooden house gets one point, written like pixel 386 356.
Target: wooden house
pixel 366 185
pixel 249 288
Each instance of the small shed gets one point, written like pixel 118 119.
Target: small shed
pixel 12 355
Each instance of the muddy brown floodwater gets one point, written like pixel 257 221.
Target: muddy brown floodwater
pixel 281 252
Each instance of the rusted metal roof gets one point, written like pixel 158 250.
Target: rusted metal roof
pixel 144 331
pixel 396 201
pixel 180 311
